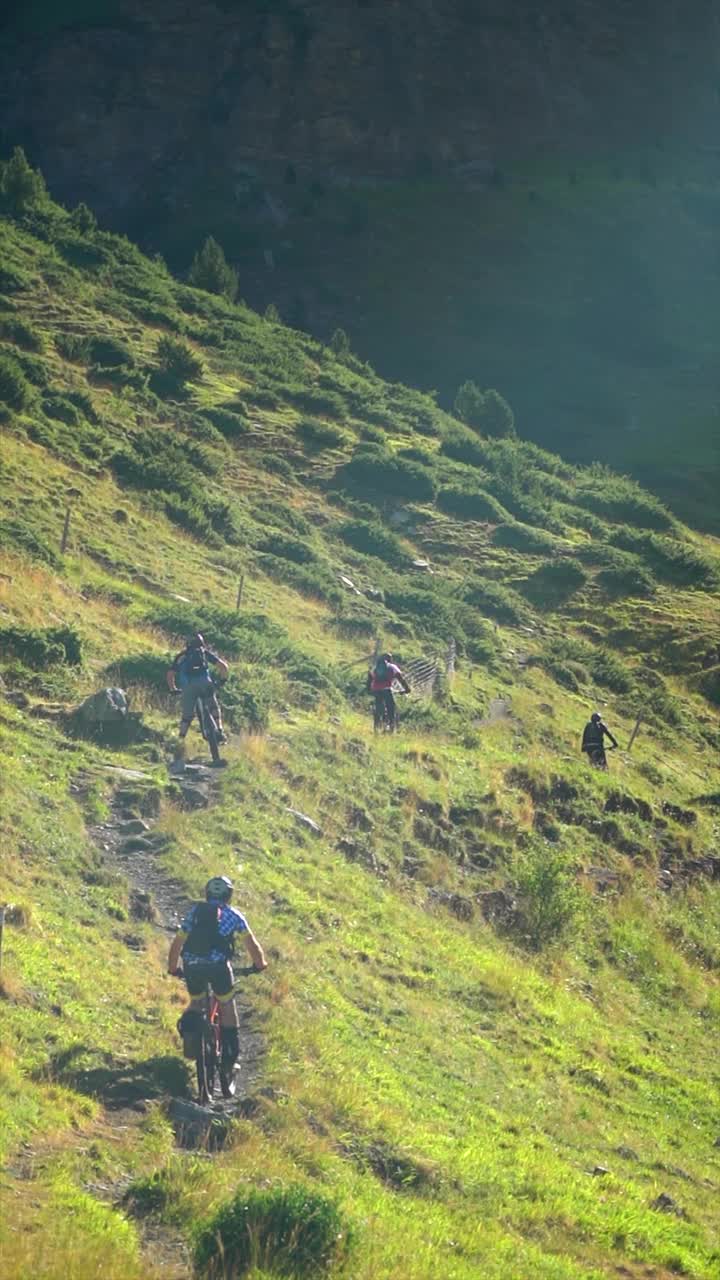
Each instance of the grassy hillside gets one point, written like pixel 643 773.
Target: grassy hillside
pixel 492 1007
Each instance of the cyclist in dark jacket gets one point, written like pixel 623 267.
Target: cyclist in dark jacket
pixel 593 740
pixel 205 942
pixel 190 676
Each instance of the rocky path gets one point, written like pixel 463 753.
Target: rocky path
pixel 128 842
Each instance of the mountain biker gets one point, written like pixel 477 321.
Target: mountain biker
pixel 205 942
pixel 593 740
pixel 190 675
pixel 380 680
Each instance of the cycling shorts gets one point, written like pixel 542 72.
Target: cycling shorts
pixel 201 687
pixel 217 973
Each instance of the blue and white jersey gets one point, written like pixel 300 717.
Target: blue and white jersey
pixel 231 922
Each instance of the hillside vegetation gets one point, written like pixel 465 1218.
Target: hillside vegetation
pixel 492 1008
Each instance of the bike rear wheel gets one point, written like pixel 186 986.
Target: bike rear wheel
pixel 209 730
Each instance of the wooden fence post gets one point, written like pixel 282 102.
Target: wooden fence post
pixel 241 584
pixel 450 658
pixel 634 733
pixel 65 533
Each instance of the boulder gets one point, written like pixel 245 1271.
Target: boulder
pixel 107 706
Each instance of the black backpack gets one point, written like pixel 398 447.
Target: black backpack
pixel 205 936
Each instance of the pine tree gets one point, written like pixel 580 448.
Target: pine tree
pixel 83 220
pixel 21 186
pixel 212 272
pixel 272 315
pixel 485 411
pixel 340 344
pixel 469 403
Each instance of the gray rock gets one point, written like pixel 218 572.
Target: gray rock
pixel 193 797
pixel 302 819
pixel 358 853
pixel 626 1153
pixel 17 698
pixel 141 906
pixel 136 844
pixel 197 1126
pixel 134 827
pixel 600 1171
pixel 107 706
pixel 665 1204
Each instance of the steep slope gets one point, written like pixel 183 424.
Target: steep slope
pixel 527 198
pixel 491 1009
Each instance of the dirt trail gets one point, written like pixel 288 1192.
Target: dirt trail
pixel 126 842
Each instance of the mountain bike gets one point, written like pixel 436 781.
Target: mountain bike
pixel 210 1070
pixel 208 728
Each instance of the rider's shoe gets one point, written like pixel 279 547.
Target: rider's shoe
pixel 222 737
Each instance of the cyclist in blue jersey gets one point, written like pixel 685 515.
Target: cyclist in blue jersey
pixel 205 942
pixel 190 675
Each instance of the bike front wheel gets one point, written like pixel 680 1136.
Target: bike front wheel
pixel 206 1067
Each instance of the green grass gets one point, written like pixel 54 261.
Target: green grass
pixel 447 1082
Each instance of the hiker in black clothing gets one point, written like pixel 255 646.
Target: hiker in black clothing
pixel 593 740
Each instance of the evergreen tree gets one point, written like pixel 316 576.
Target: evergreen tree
pixel 21 186
pixel 485 411
pixel 83 220
pixel 468 403
pixel 272 314
pixel 212 272
pixel 340 343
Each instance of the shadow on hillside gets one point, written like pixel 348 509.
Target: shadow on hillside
pixel 120 1084
pixel 712 800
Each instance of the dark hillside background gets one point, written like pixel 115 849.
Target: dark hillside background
pixel 524 195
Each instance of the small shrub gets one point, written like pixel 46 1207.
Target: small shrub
pixel 372 539
pixel 471 504
pixel 628 580
pixel 62 410
pixel 13 281
pixel 13 533
pixel 500 602
pixel 314 581
pixel 291 1231
pixel 548 896
pixel 15 390
pixel 231 424
pixel 44 648
pixel 275 464
pixel 709 685
pixel 74 347
pixel 23 335
pixel 461 445
pixel 669 559
pixel 271 314
pixel 278 544
pixel 212 272
pixel 555 580
pixel 618 498
pixel 110 353
pixel 522 537
pixel 177 363
pixel 375 468
pixel 311 401
pixel 320 435
pixel 139 669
